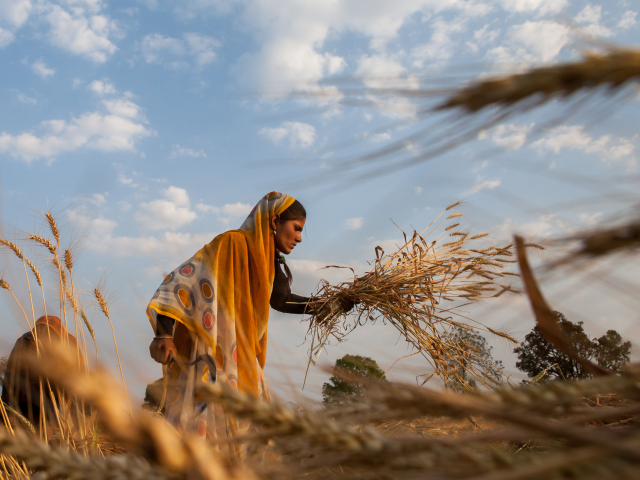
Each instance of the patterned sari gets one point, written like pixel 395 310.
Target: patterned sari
pixel 220 301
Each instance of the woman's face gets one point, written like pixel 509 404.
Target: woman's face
pixel 288 233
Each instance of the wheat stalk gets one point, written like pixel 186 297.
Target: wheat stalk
pixel 45 242
pixel 406 288
pixel 68 260
pixel 102 303
pixel 53 226
pixel 615 69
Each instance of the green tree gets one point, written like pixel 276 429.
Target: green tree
pixel 472 352
pixel 535 354
pixel 352 374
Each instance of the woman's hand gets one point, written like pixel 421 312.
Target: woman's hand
pixel 162 349
pixel 347 304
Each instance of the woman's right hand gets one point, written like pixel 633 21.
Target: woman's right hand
pixel 162 349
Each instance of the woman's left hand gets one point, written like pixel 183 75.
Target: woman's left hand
pixel 347 304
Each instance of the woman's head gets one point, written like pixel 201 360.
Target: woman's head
pixel 287 227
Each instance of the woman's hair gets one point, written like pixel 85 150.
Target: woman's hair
pixel 295 212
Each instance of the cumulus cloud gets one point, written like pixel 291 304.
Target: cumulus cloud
pixel 81 29
pixel 22 98
pixel 169 51
pixel 628 20
pixel 542 7
pixel 126 181
pixel 531 42
pixel 117 128
pixel 590 17
pixel 169 213
pixel 298 134
pixel 440 45
pixel 482 37
pixel 101 87
pixel 481 184
pixel 228 212
pixel 510 137
pixel 543 226
pixel 354 223
pixel 103 240
pixel 292 55
pixel 15 12
pixel 573 137
pixel 179 151
pixel 39 68
pixel 6 37
pixel 590 219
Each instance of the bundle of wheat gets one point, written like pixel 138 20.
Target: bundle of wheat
pixel 412 289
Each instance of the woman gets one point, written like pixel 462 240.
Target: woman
pixel 21 386
pixel 216 304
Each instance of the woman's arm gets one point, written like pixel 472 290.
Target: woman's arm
pixel 162 347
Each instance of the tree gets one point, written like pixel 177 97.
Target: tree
pixel 472 353
pixel 535 354
pixel 352 374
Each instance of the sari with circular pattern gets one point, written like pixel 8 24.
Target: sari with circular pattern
pixel 220 301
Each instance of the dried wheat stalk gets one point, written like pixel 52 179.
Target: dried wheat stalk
pixel 408 288
pixel 615 69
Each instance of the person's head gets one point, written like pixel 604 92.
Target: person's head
pixel 287 227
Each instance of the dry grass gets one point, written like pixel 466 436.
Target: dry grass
pixel 414 289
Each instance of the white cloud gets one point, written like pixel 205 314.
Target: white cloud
pixel 481 184
pixel 291 56
pixel 126 181
pixel 299 135
pixel 81 30
pixel 573 137
pixel 157 48
pixel 170 213
pixel 530 43
pixel 590 16
pixel 101 87
pixel 483 37
pixel 22 98
pixel 380 71
pixel 6 37
pixel 228 212
pixel 628 20
pixel 590 219
pixel 39 68
pixel 179 151
pixel 354 223
pixel 418 190
pixel 116 130
pixel 541 6
pixel 543 226
pixel 15 12
pixel 510 137
pixel 440 45
pixel 543 39
pixel 377 137
pixel 98 199
pixel 103 240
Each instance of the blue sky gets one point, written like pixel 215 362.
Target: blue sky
pixel 156 125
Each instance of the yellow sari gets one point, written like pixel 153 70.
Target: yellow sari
pixel 221 295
